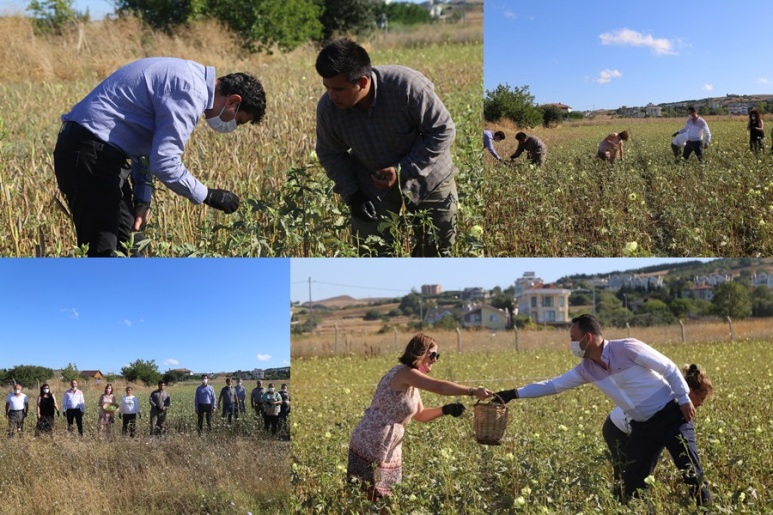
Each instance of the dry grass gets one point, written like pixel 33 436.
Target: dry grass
pixel 223 472
pixel 372 344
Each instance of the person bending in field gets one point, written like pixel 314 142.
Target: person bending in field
pixel 617 426
pixel 697 129
pixel 611 147
pixel 144 113
pixel 756 130
pixel 677 144
pixel 376 445
pixel 489 138
pixel 384 138
pixel 652 393
pixel 535 149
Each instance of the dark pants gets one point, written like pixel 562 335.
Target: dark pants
pixel 93 176
pixel 693 146
pixel 77 415
pixel 242 409
pixel 45 424
pixel 229 410
pixel 205 410
pixel 129 424
pixel 271 421
pixel 15 422
pixel 616 441
pixel 665 429
pixel 677 150
pixel 755 144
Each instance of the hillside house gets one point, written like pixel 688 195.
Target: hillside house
pixel 762 278
pixel 563 107
pixel 435 315
pixel 474 294
pixel 92 375
pixel 545 305
pixel 653 110
pixel 485 316
pixel 527 281
pixel 429 290
pixel 699 291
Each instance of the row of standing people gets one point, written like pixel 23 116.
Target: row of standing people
pixel 271 405
pixel 694 137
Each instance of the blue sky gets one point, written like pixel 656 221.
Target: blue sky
pixel 369 278
pixel 593 54
pixel 207 315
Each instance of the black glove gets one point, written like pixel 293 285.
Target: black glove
pixel 58 414
pixel 506 395
pixel 139 415
pixel 223 200
pixel 674 134
pixel 120 416
pixel 455 409
pixel 362 208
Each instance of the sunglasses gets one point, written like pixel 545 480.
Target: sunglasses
pixel 434 355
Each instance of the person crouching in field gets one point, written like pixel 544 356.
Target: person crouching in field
pixel 536 150
pixel 47 406
pixel 617 426
pixel 375 448
pixel 384 138
pixel 677 145
pixel 144 112
pixel 756 130
pixel 696 129
pixel 611 147
pixel 489 138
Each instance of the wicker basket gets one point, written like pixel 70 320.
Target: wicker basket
pixel 490 422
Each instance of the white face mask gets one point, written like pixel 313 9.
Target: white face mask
pixel 204 381
pixel 218 125
pixel 270 390
pixel 45 390
pixel 574 346
pixel 18 392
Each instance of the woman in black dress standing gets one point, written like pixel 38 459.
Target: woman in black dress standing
pixel 47 406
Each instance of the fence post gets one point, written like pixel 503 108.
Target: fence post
pixel 517 337
pixel 730 323
pixel 458 340
pixel 684 339
pixel 397 347
pixel 335 348
pixel 628 334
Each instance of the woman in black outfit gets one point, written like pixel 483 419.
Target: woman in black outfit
pixel 47 406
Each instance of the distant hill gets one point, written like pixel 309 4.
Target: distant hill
pixel 345 301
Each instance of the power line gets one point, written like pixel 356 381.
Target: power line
pixel 350 286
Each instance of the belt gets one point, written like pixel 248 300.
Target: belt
pixel 75 129
pixel 15 410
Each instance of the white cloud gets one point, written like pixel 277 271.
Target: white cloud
pixel 628 37
pixel 72 312
pixel 127 323
pixel 142 320
pixel 286 362
pixel 171 361
pixel 264 357
pixel 507 13
pixel 607 75
pixel 707 87
pixel 763 80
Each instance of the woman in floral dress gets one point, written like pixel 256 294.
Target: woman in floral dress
pixel 375 449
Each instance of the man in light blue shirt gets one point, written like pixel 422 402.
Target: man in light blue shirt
pixel 145 111
pixel 204 403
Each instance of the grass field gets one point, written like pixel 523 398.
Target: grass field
pixel 553 458
pixel 288 205
pixel 231 470
pixel 577 205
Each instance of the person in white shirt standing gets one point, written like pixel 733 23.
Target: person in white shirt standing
pixel 129 411
pixel 74 406
pixel 649 388
pixel 16 408
pixel 696 128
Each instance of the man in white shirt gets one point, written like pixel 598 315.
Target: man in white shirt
pixel 74 406
pixel 649 388
pixel 129 410
pixel 696 127
pixel 16 408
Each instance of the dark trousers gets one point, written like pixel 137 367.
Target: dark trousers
pixel 45 425
pixel 77 415
pixel 93 176
pixel 15 422
pixel 129 424
pixel 693 146
pixel 229 410
pixel 157 421
pixel 205 410
pixel 616 441
pixel 755 144
pixel 271 421
pixel 677 150
pixel 665 429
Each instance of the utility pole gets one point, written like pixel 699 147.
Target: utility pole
pixel 311 308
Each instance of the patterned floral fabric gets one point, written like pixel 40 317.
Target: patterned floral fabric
pixel 375 449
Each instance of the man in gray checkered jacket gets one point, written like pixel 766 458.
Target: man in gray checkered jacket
pixel 384 138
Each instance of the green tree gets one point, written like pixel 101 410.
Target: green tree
pixel 448 323
pixel 164 14
pixel 731 299
pixel 404 13
pixel 515 104
pixel 372 314
pixel 264 23
pixel 174 376
pixel 552 115
pixel 70 372
pixel 29 375
pixel 411 304
pixel 341 17
pixel 145 371
pixel 52 15
pixel 681 307
pixel 762 301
